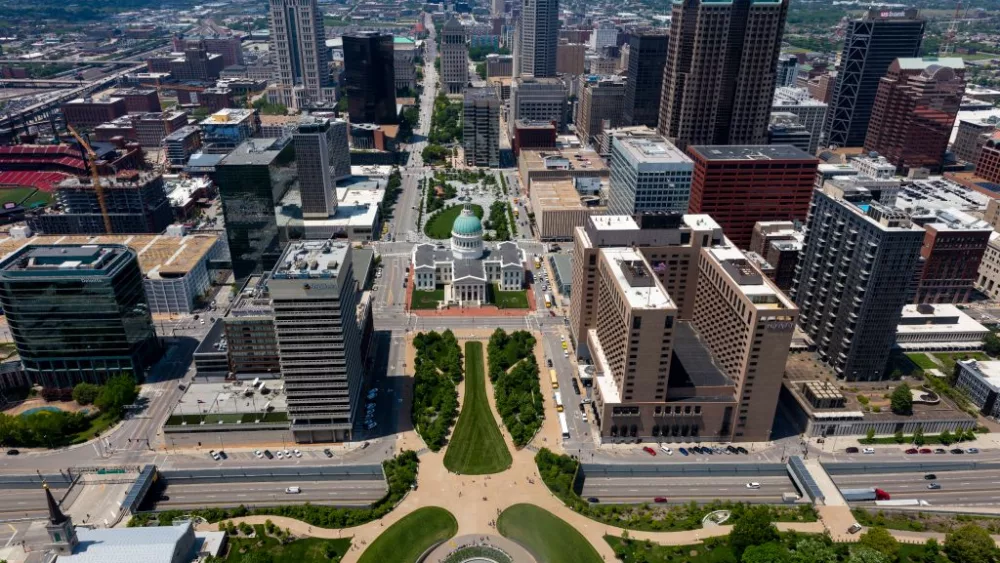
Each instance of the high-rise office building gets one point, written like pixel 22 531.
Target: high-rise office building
pixel 719 76
pixel 369 78
pixel 314 296
pixel 654 306
pixel 648 174
pixel 873 41
pixel 537 99
pixel 810 111
pixel 481 127
pixel 915 110
pixel 313 140
pixel 601 101
pixel 740 185
pixel 252 180
pixel 299 41
pixel 788 70
pixel 78 313
pixel 785 128
pixel 646 59
pixel 454 56
pixel 571 58
pixel 856 271
pixel 538 35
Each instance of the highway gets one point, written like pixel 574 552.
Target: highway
pixel 686 489
pixel 21 503
pixel 337 493
pixel 968 488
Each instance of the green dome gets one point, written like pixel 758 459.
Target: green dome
pixel 467 223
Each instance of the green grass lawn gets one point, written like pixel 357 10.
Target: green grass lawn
pixel 439 226
pixel 98 424
pixel 415 533
pixel 949 359
pixel 476 446
pixel 37 199
pixel 547 537
pixel 298 551
pixel 16 195
pixel 922 361
pixel 427 299
pixel 508 299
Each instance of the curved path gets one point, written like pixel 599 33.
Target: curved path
pixel 517 553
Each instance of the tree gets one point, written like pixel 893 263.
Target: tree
pixel 991 344
pixel 970 544
pixel 117 393
pixel 867 555
pixel 870 435
pixel 898 437
pixel 880 540
pixel 918 436
pixel 754 527
pixel 813 551
pixel 86 393
pixel 902 400
pixel 946 438
pixel 970 433
pixel 767 553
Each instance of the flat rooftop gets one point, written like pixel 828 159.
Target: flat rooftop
pixel 311 259
pixel 614 223
pixel 567 159
pixel 356 207
pixel 934 319
pixel 553 195
pixel 750 152
pixel 636 279
pixel 651 150
pixel 159 255
pixel 254 152
pixel 753 284
pixel 227 116
pixel 988 370
pixel 71 260
pixel 252 300
pixel 939 193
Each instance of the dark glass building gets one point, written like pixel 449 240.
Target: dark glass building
pixel 370 77
pixel 78 313
pixel 647 57
pixel 252 179
pixel 873 42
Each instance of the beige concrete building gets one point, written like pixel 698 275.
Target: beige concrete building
pixel 560 206
pixel 989 268
pixel 559 164
pixel 687 338
pixel 571 58
pixel 601 99
pixel 992 213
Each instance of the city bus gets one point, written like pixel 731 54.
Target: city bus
pixel 548 301
pixel 538 263
pixel 553 379
pixel 558 398
pixel 563 425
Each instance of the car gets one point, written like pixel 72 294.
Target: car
pixel 582 408
pixel 933 486
pixel 972 451
pixel 868 451
pixel 742 450
pixel 958 451
pixel 181 386
pixel 214 455
pixel 852 450
pixel 660 499
pixel 223 455
pixel 164 498
pixel 911 451
pixel 649 450
pixel 940 451
pixel 683 451
pixel 297 453
pixel 258 453
pixel 666 450
pixel 930 477
pixel 730 450
pixel 281 455
pixel 202 321
pixel 695 449
pixel 593 500
pixel 584 418
pixel 327 452
pixel 549 362
pixel 288 453
pixel 855 528
pixel 268 454
pixel 753 485
pixel 926 451
pixel 708 451
pixel 293 491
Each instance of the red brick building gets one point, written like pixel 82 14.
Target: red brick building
pixel 532 135
pixel 739 185
pixel 952 254
pixel 91 112
pixel 140 100
pixel 988 166
pixel 914 112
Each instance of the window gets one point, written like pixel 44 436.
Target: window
pixel 636 323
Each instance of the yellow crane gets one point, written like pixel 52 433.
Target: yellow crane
pixel 95 178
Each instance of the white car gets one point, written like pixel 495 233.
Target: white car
pixel 258 453
pixel 753 485
pixel 297 453
pixel 288 453
pixel 665 449
pixel 868 451
pixel 280 455
pixel 293 491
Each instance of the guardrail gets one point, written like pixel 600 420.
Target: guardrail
pixel 913 466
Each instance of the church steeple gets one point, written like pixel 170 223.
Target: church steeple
pixel 56 516
pixel 62 532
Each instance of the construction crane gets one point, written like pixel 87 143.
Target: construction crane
pixel 95 178
pixel 948 44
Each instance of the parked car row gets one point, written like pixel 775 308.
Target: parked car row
pixel 284 454
pixel 911 451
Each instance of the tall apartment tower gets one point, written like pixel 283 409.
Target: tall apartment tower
pixel 313 140
pixel 454 56
pixel 299 41
pixel 481 127
pixel 648 174
pixel 719 77
pixel 915 110
pixel 601 100
pixel 873 42
pixel 856 271
pixel 647 57
pixel 315 300
pixel 370 77
pixel 538 36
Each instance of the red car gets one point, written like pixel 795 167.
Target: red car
pixel 926 451
pixel 660 499
pixel 649 450
pixel 911 451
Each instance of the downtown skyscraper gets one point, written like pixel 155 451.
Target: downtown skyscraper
pixel 647 57
pixel 538 37
pixel 873 42
pixel 719 78
pixel 299 43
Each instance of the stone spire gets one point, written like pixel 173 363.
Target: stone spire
pixel 55 513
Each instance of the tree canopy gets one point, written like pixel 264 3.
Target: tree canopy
pixel 514 373
pixel 766 553
pixel 901 400
pixel 880 540
pixel 437 368
pixel 971 544
pixel 752 529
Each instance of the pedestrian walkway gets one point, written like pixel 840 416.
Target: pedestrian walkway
pixel 514 550
pixel 830 490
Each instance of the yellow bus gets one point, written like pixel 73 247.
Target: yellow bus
pixel 553 379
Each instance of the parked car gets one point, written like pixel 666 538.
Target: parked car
pixel 940 451
pixel 258 453
pixel 268 454
pixel 869 451
pixel 912 451
pixel 852 450
pixel 660 499
pixel 957 451
pixel 281 455
pixel 855 528
pixel 972 451
pixel 328 452
pixel 649 450
pixel 683 451
pixel 223 455
pixel 666 450
pixel 297 453
pixel 926 451
pixel 742 450
pixel 214 455
pixel 13 452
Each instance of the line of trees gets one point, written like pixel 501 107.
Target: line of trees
pixel 514 373
pixel 437 369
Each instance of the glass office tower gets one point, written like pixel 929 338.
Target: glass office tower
pixel 78 313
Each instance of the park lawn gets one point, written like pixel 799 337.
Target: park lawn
pixel 298 551
pixel 922 361
pixel 476 446
pixel 439 226
pixel 426 299
pixel 949 359
pixel 98 425
pixel 509 299
pixel 406 540
pixel 547 537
